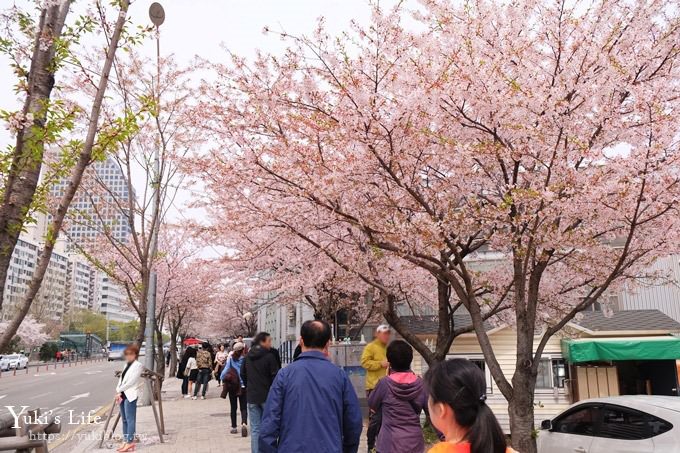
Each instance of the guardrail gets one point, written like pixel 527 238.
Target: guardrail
pixel 53 365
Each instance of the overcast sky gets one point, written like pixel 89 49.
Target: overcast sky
pixel 205 27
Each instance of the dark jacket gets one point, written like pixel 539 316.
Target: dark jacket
pixel 400 398
pixel 258 373
pixel 311 406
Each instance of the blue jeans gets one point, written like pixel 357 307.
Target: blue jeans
pixel 255 413
pixel 128 412
pixel 202 379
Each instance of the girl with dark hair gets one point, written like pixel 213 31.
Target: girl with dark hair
pixel 400 398
pixel 190 370
pixel 458 409
pixel 235 387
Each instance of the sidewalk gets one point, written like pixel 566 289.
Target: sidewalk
pixel 200 426
pixel 191 426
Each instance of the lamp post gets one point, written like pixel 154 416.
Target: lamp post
pixel 157 16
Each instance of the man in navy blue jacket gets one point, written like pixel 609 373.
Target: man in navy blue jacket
pixel 312 405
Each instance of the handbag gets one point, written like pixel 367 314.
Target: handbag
pixel 231 384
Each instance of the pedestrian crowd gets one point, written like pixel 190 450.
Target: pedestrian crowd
pixel 311 405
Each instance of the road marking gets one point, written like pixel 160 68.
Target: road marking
pixel 40 396
pixel 2 396
pixel 72 434
pixel 93 372
pixel 75 397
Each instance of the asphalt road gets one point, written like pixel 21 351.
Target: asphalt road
pixel 71 392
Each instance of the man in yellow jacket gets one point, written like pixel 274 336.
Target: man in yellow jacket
pixel 374 360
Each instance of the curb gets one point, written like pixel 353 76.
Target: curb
pixel 71 434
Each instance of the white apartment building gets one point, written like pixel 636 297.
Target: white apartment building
pixel 111 299
pixel 50 303
pixel 81 284
pixel 283 322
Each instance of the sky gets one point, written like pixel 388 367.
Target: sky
pixel 206 27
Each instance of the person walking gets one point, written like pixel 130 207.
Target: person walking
pixel 458 409
pixel 374 361
pixel 311 405
pixel 191 370
pixel 258 372
pixel 204 365
pixel 400 398
pixel 236 388
pixel 183 372
pixel 127 391
pixel 220 361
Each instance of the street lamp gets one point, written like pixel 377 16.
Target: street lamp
pixel 157 16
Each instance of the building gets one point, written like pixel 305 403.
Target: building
pixel 98 208
pixel 631 352
pixel 51 300
pixel 661 295
pixel 81 284
pixel 282 321
pixel 111 299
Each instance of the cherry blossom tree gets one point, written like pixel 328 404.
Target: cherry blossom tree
pixel 24 161
pixel 160 114
pixel 522 153
pixel 30 334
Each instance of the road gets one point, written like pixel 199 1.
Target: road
pixel 80 389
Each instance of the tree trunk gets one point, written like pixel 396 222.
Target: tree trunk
pixel 174 330
pixel 143 294
pixel 521 411
pixel 84 159
pixel 21 180
pixel 160 357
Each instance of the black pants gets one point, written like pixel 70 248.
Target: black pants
pixel 374 423
pixel 202 379
pixel 241 400
pixel 185 385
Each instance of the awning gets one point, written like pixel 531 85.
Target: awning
pixel 628 348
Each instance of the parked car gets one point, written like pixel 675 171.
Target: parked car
pixel 4 363
pixel 17 361
pixel 620 424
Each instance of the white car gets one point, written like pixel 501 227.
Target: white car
pixel 4 363
pixel 620 424
pixel 17 361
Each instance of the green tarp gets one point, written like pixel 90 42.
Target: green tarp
pixel 629 348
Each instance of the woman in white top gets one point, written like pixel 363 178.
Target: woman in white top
pixel 191 369
pixel 127 391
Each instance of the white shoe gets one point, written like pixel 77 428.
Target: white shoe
pixel 186 397
pixel 202 397
pixel 193 397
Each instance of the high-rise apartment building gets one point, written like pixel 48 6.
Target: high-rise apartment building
pixel 51 300
pixel 97 204
pixel 111 299
pixel 81 284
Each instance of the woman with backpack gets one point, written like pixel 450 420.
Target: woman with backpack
pixel 233 386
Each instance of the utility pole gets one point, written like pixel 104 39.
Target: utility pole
pixel 157 16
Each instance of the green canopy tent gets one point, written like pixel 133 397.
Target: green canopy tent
pixel 628 348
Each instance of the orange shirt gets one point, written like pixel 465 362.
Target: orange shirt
pixel 446 447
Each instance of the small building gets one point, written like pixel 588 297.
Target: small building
pixel 560 380
pixel 630 353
